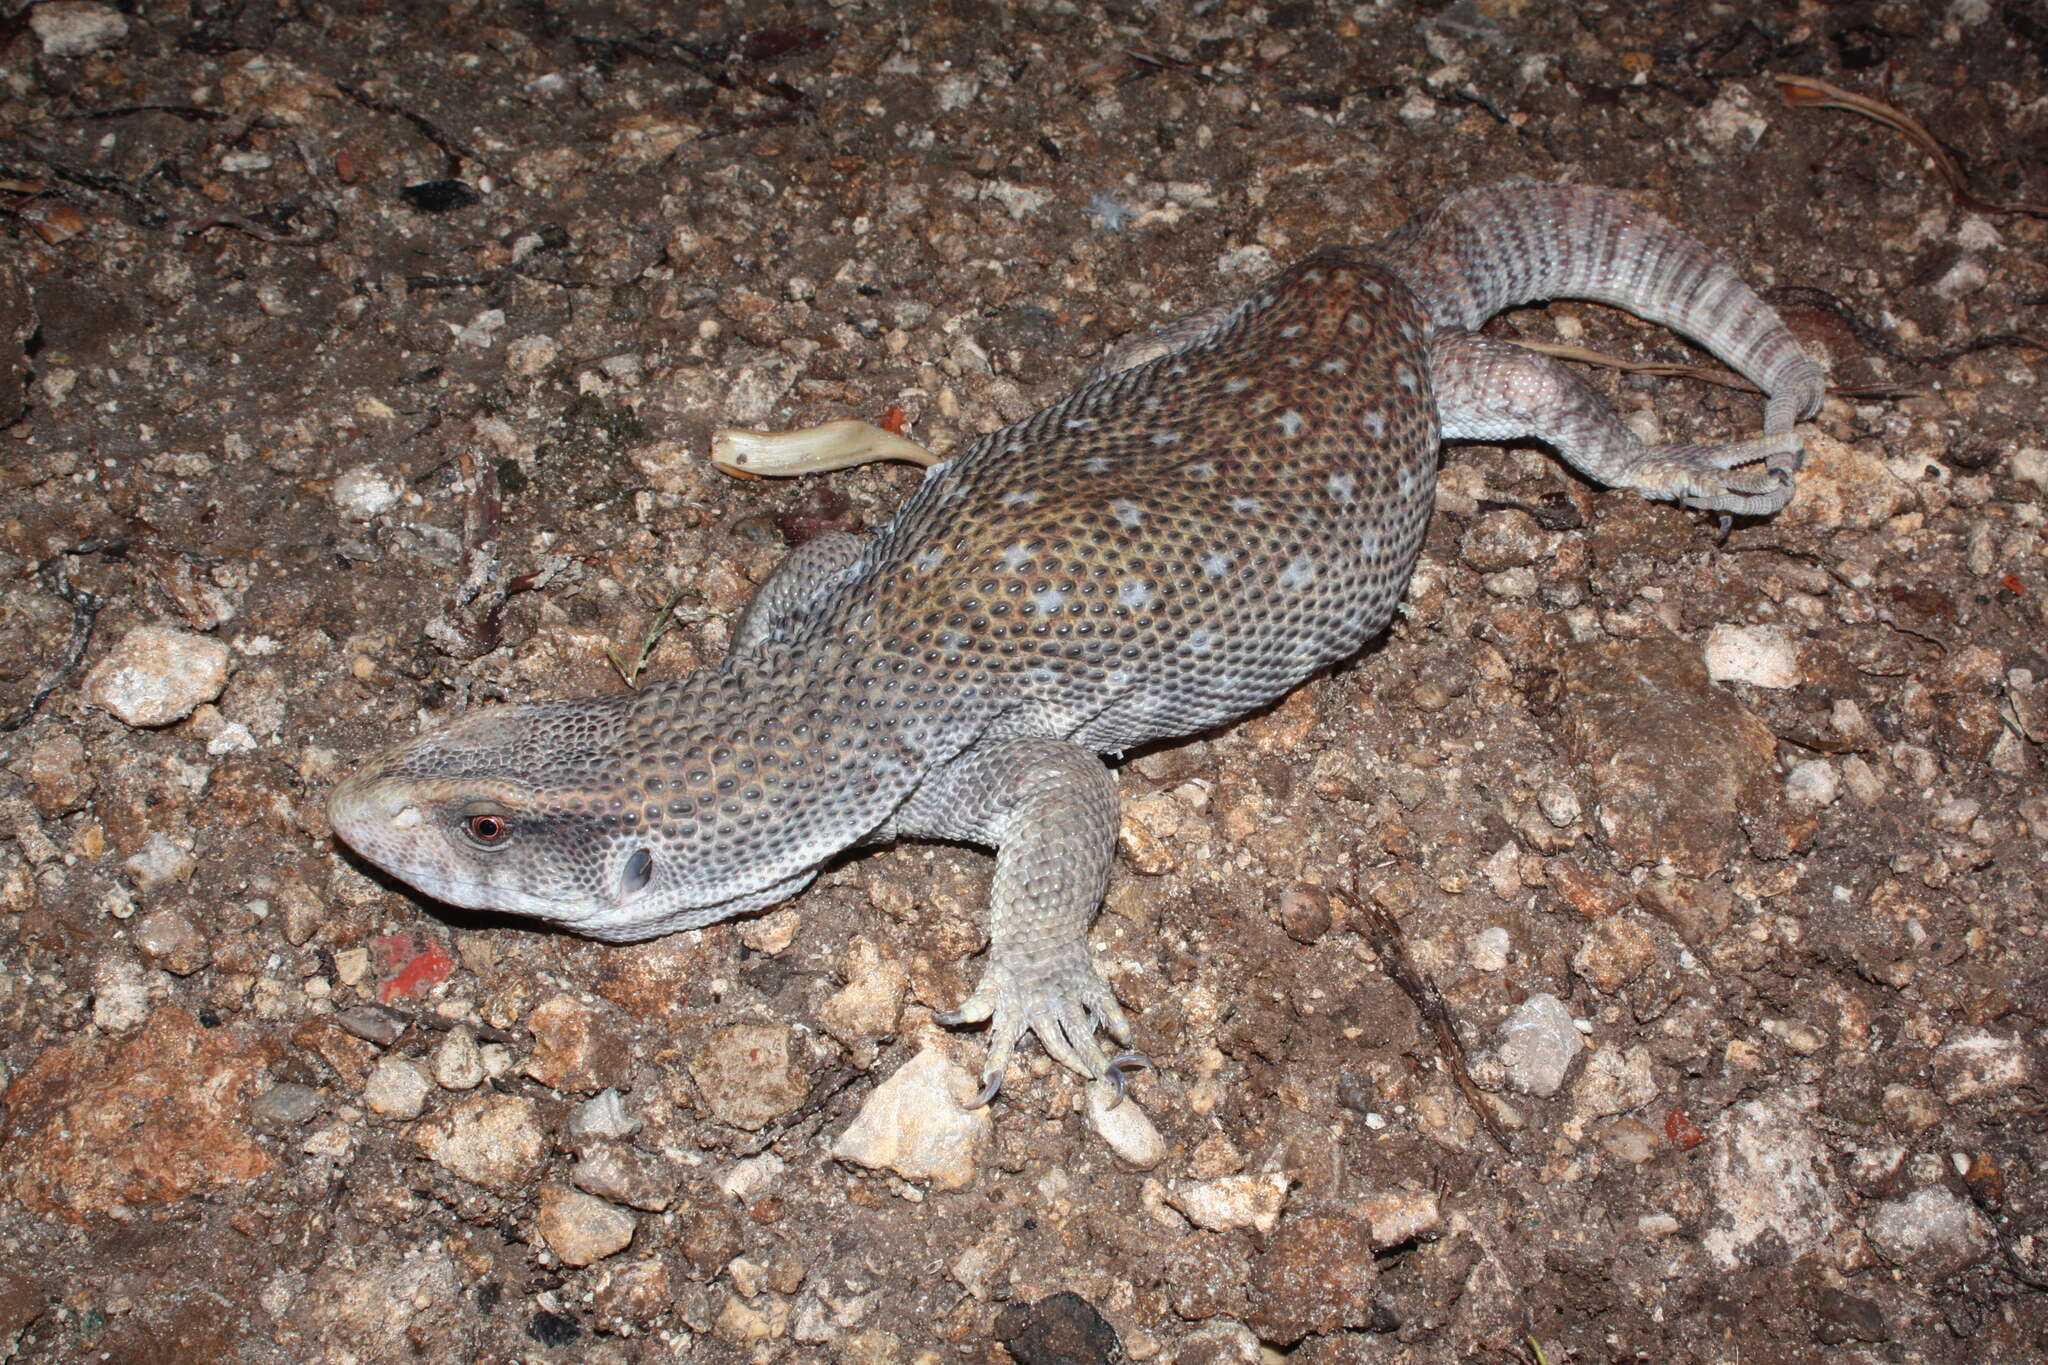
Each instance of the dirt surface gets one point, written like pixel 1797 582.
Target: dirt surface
pixel 369 353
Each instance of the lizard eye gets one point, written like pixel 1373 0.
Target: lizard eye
pixel 487 830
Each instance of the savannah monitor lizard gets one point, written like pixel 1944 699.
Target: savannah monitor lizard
pixel 1221 509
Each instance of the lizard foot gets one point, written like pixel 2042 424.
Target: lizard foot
pixel 1713 476
pixel 1058 996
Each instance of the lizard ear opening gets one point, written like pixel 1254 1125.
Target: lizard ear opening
pixel 639 871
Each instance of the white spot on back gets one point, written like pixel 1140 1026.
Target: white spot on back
pixel 1249 507
pixel 1135 593
pixel 1343 487
pixel 1127 512
pixel 927 560
pixel 1096 464
pixel 1374 288
pixel 1165 438
pixel 1048 600
pixel 1335 365
pixel 1237 384
pixel 1291 331
pixel 1202 641
pixel 1369 544
pixel 1077 423
pixel 1022 497
pixel 1376 424
pixel 1405 377
pixel 1290 422
pixel 1298 574
pixel 1016 556
pixel 1200 469
pixel 1215 564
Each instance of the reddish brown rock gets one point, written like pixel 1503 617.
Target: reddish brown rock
pixel 1677 763
pixel 576 1050
pixel 1317 1276
pixel 96 1126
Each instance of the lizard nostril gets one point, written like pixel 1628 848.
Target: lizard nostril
pixel 639 871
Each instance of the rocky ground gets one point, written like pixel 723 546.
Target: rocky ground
pixel 357 367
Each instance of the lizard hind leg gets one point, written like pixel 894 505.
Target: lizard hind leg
pixel 1488 390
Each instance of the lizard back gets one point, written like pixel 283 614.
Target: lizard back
pixel 1180 542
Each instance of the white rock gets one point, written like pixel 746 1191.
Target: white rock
pixel 1762 656
pixel 396 1089
pixel 76 28
pixel 1733 121
pixel 1231 1201
pixel 480 331
pixel 603 1115
pixel 459 1064
pixel 1538 1044
pixel 1615 1082
pixel 1980 1064
pixel 748 1180
pixel 120 996
pixel 530 355
pixel 1813 784
pixel 1488 949
pixel 364 492
pixel 1127 1130
pixel 918 1125
pixel 158 674
pixel 2030 465
pixel 1932 1231
pixel 159 863
pixel 1769 1173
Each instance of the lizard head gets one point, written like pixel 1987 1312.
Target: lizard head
pixel 618 817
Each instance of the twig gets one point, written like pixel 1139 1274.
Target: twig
pixel 1707 374
pixel 1384 932
pixel 1805 92
pixel 664 621
pixel 455 151
pixel 85 611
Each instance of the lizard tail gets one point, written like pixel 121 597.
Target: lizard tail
pixel 1487 249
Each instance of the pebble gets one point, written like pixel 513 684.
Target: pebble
pixel 1933 1232
pixel 459 1063
pixel 748 1075
pixel 530 355
pixel 2030 465
pixel 285 1105
pixel 1628 1139
pixel 1488 949
pixel 1538 1044
pixel 397 1089
pixel 157 675
pixel 1059 1329
pixel 1231 1201
pixel 626 1175
pixel 363 493
pixel 1813 784
pixel 1769 1173
pixel 602 1116
pixel 581 1228
pixel 1317 1276
pixel 159 863
pixel 1762 656
pixel 576 1049
pixel 120 996
pixel 372 1024
pixel 868 1005
pixel 1126 1128
pixel 1981 1064
pixel 752 1178
pixel 916 1124
pixel 1617 950
pixel 490 1140
pixel 1614 1082
pixel 1397 1216
pixel 76 28
pixel 1559 804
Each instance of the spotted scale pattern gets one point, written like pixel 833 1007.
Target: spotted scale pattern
pixel 1180 543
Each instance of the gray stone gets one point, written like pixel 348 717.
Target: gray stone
pixel 1931 1232
pixel 1538 1045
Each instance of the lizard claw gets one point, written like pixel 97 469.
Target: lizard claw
pixel 1119 1065
pixel 1059 997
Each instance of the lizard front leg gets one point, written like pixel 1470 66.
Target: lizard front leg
pixel 1049 808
